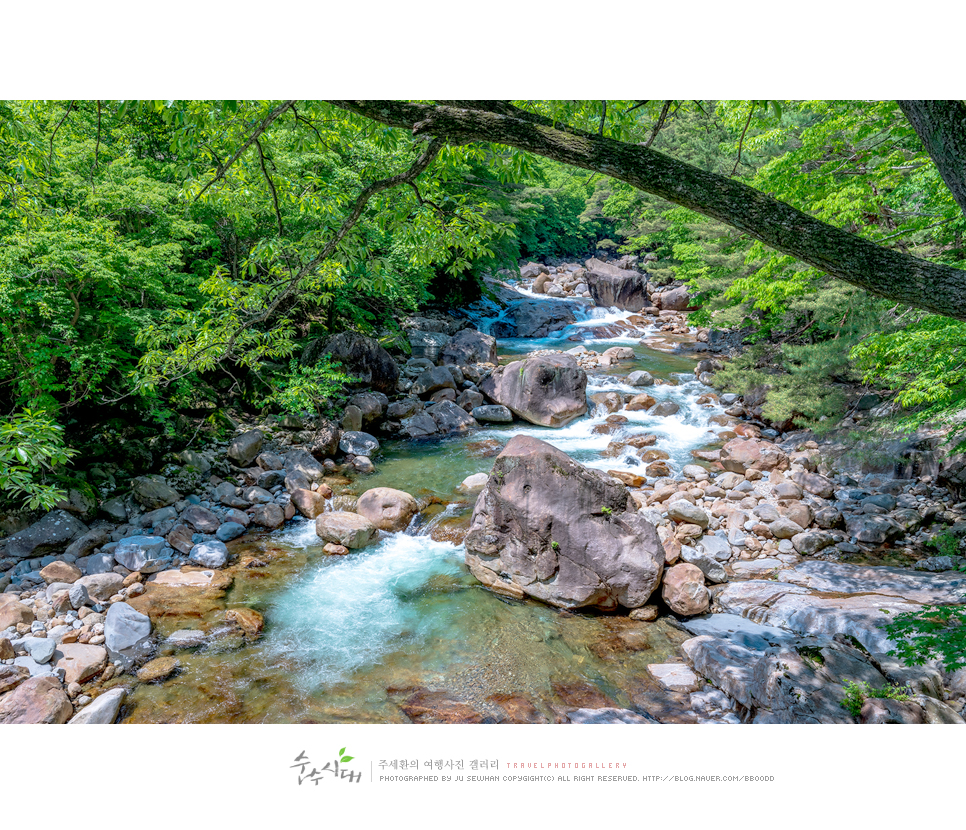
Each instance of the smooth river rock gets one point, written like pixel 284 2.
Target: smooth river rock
pixel 387 509
pixel 127 633
pixel 102 710
pixel 37 700
pixel 341 527
pixel 684 590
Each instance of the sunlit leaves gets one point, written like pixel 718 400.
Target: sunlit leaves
pixel 31 445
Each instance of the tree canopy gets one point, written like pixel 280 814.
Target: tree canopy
pixel 161 260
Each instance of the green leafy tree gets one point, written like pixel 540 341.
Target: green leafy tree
pixel 31 449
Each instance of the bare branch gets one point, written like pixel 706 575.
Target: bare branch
pixel 422 201
pixel 271 186
pixel 659 124
pixel 741 141
pixel 53 135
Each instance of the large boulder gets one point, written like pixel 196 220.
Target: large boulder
pixel 814 483
pixel 547 527
pixel 676 299
pixel 741 454
pixel 341 527
pixel 537 318
pixel 153 492
pixel 612 286
pixel 102 710
pixel 469 346
pixel 309 503
pixel 420 425
pixel 386 508
pixel 135 552
pixel 432 380
pixel 492 414
pixel 361 357
pixel 37 700
pixel 52 533
pixel 211 554
pixel 450 418
pixel 533 269
pixel 372 406
pixel 427 344
pixel 83 545
pixel 300 461
pixel 245 448
pixel 550 390
pixel 684 590
pixel 782 679
pixel 14 612
pixel 359 443
pixel 268 515
pixel 201 519
pixel 80 662
pixel 325 441
pixel 102 586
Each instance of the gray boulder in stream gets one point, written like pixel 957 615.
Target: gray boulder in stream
pixel 612 286
pixel 537 318
pixel 547 527
pixel 550 390
pixel 470 346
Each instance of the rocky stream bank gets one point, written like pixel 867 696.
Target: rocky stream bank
pixel 758 557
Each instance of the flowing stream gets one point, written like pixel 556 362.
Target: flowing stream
pixel 401 626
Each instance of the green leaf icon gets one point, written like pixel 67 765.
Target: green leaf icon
pixel 342 752
pixel 347 758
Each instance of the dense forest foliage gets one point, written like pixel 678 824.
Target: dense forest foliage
pixel 164 262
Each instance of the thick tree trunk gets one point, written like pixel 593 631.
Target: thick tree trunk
pixel 890 274
pixel 942 127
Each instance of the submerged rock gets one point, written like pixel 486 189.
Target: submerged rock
pixel 552 529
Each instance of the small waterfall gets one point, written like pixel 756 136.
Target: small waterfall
pixel 450 511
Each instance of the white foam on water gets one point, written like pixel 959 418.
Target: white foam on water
pixel 348 612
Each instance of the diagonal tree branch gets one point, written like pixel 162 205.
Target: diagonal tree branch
pixel 896 276
pixel 53 135
pixel 271 187
pixel 263 125
pixel 289 286
pixel 659 124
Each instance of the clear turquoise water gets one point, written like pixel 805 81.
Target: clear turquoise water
pixel 351 639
